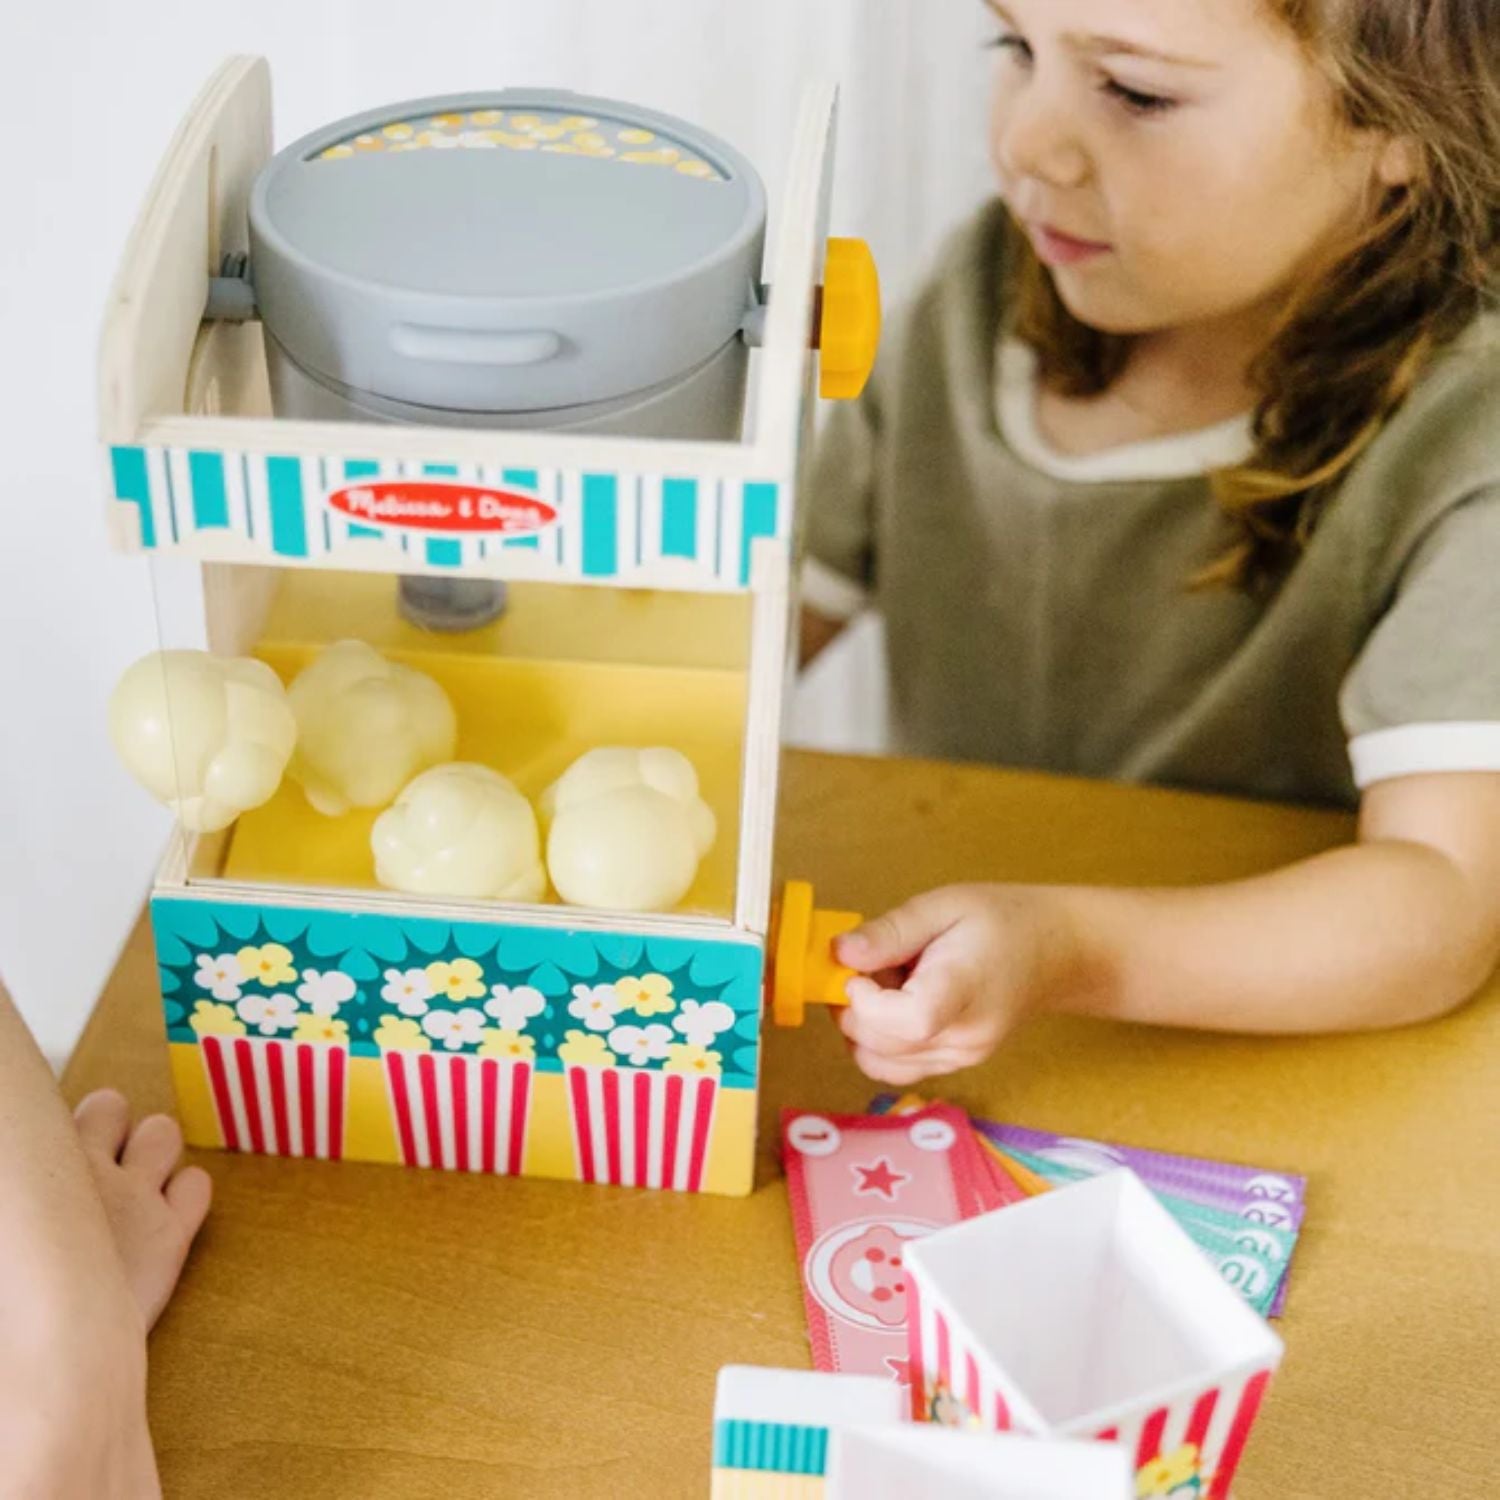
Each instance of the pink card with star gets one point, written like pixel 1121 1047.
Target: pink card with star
pixel 862 1187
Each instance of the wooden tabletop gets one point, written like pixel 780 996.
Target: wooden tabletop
pixel 363 1331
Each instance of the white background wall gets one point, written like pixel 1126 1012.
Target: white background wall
pixel 89 96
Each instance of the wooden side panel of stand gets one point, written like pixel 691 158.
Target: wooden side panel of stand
pixel 196 212
pixel 237 600
pixel 785 404
pixel 228 370
pixel 771 587
pixel 795 272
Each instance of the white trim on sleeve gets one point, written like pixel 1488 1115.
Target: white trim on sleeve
pixel 1419 749
pixel 829 593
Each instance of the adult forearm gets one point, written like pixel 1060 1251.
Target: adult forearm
pixel 49 1211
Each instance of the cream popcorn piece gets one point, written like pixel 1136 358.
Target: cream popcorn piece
pixel 365 727
pixel 208 736
pixel 627 830
pixel 460 830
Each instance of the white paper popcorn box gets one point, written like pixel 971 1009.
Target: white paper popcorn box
pixel 897 1463
pixel 772 1428
pixel 279 1098
pixel 1087 1312
pixel 634 1128
pixel 463 1113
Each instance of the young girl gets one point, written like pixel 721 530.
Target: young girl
pixel 1186 468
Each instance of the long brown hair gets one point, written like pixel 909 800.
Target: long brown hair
pixel 1355 339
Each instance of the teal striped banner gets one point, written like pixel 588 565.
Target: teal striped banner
pixel 288 517
pixel 133 486
pixel 600 526
pixel 679 518
pixel 443 552
pixel 210 508
pixel 770 1447
pixel 760 521
pixel 528 480
pixel 637 529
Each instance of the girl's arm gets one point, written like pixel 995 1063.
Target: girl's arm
pixel 72 1339
pixel 1399 928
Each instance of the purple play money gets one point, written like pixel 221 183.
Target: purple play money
pixel 1257 1195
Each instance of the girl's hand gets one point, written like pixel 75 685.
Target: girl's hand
pixel 945 977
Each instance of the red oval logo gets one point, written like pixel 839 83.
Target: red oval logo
pixel 443 505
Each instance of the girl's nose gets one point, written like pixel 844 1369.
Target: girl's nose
pixel 1035 138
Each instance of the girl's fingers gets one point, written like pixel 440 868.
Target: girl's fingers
pixel 154 1149
pixel 864 1029
pixel 912 1068
pixel 900 935
pixel 932 1000
pixel 103 1120
pixel 188 1195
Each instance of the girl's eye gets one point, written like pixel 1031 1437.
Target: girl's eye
pixel 1137 102
pixel 1008 41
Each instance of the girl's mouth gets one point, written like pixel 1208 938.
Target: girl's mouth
pixel 1054 248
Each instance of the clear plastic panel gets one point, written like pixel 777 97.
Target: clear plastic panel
pixel 378 701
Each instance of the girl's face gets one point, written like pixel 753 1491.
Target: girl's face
pixel 1173 161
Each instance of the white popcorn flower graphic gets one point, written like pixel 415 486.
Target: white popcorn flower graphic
pixel 639 1045
pixel 701 1023
pixel 408 990
pixel 513 1008
pixel 595 1005
pixel 324 993
pixel 269 1013
pixel 454 1028
pixel 219 974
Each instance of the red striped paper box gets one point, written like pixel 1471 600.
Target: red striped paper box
pixel 1088 1313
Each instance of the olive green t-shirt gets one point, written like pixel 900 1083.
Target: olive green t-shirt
pixel 1038 612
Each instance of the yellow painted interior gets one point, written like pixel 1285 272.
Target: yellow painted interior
pixel 566 670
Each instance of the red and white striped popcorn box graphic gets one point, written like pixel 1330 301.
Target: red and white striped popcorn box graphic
pixel 1087 1312
pixel 460 1112
pixel 278 1098
pixel 636 1128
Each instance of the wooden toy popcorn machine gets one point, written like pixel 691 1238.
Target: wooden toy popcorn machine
pixel 474 653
